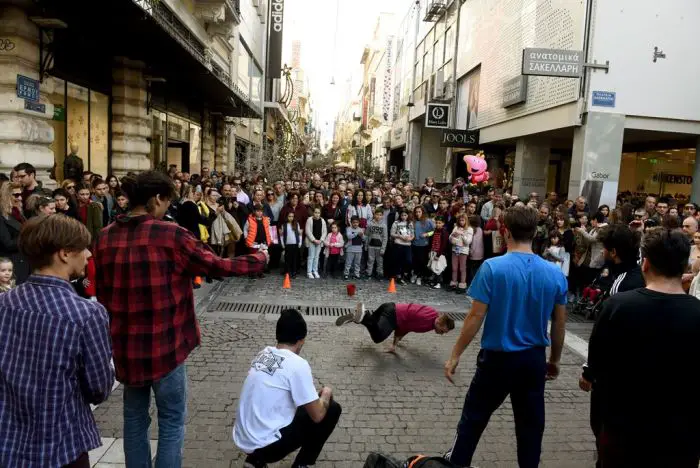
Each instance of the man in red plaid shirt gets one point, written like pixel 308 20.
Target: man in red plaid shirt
pixel 145 268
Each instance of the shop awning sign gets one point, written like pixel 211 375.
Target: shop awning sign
pixel 27 88
pixel 437 115
pixel 452 138
pixel 553 62
pixel 515 91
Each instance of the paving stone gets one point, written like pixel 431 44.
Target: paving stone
pixel 399 404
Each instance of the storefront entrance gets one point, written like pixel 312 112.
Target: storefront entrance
pixel 664 172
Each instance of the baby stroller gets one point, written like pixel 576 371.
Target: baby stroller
pixel 591 301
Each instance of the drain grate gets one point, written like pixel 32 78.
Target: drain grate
pixel 457 316
pixel 267 309
pixel 327 311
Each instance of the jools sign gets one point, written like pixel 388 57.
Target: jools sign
pixel 459 138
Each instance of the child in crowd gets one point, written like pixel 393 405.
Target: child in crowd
pixel 377 238
pixel 476 249
pixel 353 248
pixel 403 234
pixel 7 280
pixel 334 249
pixel 556 252
pixel 290 236
pixel 316 232
pixel 461 239
pixel 438 247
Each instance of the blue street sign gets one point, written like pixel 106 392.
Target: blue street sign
pixel 27 88
pixel 604 98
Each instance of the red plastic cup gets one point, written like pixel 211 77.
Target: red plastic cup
pixel 351 289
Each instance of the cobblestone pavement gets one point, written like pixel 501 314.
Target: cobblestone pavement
pixel 400 404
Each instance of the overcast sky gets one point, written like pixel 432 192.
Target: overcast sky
pixel 327 53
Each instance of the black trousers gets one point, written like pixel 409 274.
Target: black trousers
pixel 83 461
pixel 472 267
pixel 301 433
pixel 291 259
pixel 333 264
pixel 382 322
pixel 498 374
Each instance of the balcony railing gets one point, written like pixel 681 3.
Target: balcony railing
pixel 436 8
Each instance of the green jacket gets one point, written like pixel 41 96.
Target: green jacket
pixel 94 219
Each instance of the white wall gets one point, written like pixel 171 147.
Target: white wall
pixel 252 30
pixel 625 33
pixel 494 33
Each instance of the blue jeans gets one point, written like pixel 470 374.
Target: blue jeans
pixel 312 259
pixel 498 374
pixel 171 400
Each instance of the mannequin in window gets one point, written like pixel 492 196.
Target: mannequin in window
pixel 73 164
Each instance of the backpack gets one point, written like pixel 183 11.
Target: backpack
pixel 422 461
pixel 378 460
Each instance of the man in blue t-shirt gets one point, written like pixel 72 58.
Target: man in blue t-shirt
pixel 514 296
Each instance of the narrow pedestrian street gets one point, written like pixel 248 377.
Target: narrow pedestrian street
pixel 399 404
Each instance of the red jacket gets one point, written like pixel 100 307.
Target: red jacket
pixel 145 268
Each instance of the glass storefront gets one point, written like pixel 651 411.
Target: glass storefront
pixel 80 123
pixel 175 142
pixel 667 172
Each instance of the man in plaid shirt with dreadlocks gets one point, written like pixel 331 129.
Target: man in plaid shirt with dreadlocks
pixel 145 268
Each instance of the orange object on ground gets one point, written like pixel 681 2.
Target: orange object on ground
pixel 197 280
pixel 392 286
pixel 287 283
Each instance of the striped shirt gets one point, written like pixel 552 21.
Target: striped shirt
pixel 55 353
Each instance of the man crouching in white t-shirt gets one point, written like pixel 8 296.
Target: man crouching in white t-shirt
pixel 280 409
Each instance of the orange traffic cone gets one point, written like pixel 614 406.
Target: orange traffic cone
pixel 392 286
pixel 197 282
pixel 287 283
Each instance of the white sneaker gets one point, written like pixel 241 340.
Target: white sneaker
pixel 311 276
pixel 437 286
pixel 359 312
pixel 316 275
pixel 414 278
pixel 419 282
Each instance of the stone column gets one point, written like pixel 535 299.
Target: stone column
pixel 25 135
pixel 596 159
pixel 231 151
pixel 207 141
pixel 531 166
pixel 695 188
pixel 131 126
pixel 221 147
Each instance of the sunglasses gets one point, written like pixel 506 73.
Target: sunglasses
pixel 17 195
pixel 269 194
pixel 70 187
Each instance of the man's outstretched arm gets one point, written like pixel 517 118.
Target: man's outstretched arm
pixel 471 326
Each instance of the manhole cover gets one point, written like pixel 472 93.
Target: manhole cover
pixel 216 333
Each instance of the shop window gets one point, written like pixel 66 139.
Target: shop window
pixel 255 84
pixel 664 172
pixel 98 135
pixel 77 107
pixel 59 146
pixel 243 75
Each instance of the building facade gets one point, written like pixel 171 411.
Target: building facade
pixel 158 84
pixel 629 121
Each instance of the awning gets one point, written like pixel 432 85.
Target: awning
pixel 99 31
